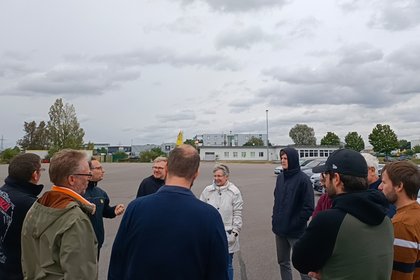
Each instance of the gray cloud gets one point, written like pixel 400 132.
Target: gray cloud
pixel 240 5
pixel 396 15
pixel 165 56
pixel 243 39
pixel 184 115
pixel 362 76
pixel 407 57
pixel 360 54
pixel 72 80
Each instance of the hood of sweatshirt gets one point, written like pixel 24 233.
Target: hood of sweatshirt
pixel 368 206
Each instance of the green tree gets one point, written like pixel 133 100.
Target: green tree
pixel 63 127
pixel 404 144
pixel 383 139
pixel 254 141
pixel 148 156
pixel 117 156
pixel 36 137
pixel 354 141
pixel 190 142
pixel 302 134
pixel 330 139
pixel 416 149
pixel 7 154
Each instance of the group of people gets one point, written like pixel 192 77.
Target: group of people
pixel 167 233
pixel 351 234
pixel 59 235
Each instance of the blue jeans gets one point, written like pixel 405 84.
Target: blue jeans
pixel 230 266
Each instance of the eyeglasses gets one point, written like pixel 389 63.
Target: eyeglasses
pixel 157 167
pixel 81 174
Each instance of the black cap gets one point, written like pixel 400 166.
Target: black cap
pixel 344 161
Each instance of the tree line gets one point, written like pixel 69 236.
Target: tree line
pixel 63 130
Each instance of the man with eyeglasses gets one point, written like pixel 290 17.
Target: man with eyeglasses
pixel 353 239
pixel 16 197
pixel 152 183
pixel 58 241
pixel 100 198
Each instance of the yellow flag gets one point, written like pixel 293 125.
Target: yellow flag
pixel 180 138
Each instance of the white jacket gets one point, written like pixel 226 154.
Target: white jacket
pixel 228 201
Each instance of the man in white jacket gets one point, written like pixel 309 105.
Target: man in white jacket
pixel 227 199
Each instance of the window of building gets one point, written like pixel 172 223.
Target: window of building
pixel 235 154
pixel 311 153
pixel 252 154
pixel 243 154
pixel 226 154
pixel 261 154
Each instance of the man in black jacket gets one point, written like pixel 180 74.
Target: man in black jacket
pixel 293 206
pixel 16 197
pixel 152 183
pixel 100 198
pixel 353 239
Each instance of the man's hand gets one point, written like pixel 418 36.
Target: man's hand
pixel 315 275
pixel 119 209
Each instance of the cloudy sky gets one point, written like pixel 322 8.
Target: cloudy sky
pixel 139 71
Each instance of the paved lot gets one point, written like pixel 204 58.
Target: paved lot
pixel 257 258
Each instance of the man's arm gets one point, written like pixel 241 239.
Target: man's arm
pixel 109 212
pixel 314 248
pixel 218 257
pixel 308 200
pixel 405 251
pixel 117 263
pixel 78 251
pixel 237 212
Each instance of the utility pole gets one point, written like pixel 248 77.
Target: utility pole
pixel 1 141
pixel 266 118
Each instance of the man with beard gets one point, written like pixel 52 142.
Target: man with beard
pixel 353 239
pixel 400 184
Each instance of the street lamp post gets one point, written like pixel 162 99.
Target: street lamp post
pixel 266 118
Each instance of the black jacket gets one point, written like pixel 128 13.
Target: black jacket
pixel 16 198
pixel 293 199
pixel 100 198
pixel 149 185
pixel 352 240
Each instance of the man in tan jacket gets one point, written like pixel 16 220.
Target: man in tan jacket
pixel 58 241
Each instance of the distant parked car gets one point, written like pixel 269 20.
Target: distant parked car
pixel 316 182
pixel 380 166
pixel 307 169
pixel 302 162
pixel 278 170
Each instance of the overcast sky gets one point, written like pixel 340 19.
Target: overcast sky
pixel 139 71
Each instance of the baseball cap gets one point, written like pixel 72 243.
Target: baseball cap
pixel 344 161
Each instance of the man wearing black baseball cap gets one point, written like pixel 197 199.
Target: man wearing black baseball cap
pixel 353 239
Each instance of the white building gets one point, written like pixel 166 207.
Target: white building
pixel 231 140
pixel 260 153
